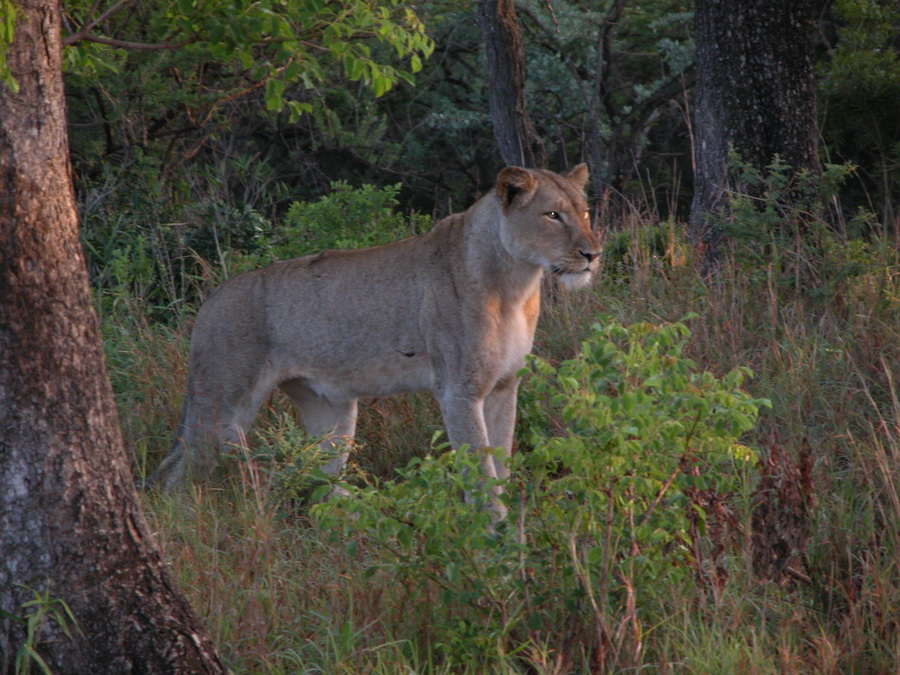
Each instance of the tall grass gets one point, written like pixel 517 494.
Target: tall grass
pixel 805 554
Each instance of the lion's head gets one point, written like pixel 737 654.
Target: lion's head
pixel 546 222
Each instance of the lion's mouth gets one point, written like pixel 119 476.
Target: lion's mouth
pixel 573 279
pixel 559 271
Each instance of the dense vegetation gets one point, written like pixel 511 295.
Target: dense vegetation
pixel 670 510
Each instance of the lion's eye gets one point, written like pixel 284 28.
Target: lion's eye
pixel 553 215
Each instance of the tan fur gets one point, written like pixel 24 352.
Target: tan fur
pixel 452 311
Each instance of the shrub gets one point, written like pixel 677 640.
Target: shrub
pixel 347 217
pixel 606 519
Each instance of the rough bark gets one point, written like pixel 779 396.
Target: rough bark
pixel 516 137
pixel 755 91
pixel 70 525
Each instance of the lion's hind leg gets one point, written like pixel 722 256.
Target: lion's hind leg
pixel 193 451
pixel 210 425
pixel 334 420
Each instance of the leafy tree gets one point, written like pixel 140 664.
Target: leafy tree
pixel 608 77
pixel 185 67
pixel 603 84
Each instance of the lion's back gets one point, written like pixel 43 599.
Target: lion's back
pixel 330 307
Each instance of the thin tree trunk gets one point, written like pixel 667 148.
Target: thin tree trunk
pixel 70 526
pixel 516 137
pixel 755 91
pixel 602 101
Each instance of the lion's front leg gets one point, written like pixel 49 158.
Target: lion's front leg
pixel 500 419
pixel 465 422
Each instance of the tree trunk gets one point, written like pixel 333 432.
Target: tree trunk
pixel 515 135
pixel 755 91
pixel 70 526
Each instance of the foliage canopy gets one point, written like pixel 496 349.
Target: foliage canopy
pixel 267 44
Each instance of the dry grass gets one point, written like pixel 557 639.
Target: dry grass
pixel 812 556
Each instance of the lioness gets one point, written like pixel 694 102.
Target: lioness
pixel 452 311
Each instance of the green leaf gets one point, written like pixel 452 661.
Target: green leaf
pixel 274 95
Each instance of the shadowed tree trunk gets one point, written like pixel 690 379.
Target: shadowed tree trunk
pixel 755 91
pixel 70 526
pixel 516 137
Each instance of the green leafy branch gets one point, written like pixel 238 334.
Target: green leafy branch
pixel 274 42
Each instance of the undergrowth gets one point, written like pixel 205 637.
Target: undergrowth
pixel 774 552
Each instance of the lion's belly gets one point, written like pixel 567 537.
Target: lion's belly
pixel 389 374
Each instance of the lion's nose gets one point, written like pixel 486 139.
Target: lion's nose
pixel 589 255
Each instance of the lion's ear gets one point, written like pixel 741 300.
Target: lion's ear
pixel 578 175
pixel 513 181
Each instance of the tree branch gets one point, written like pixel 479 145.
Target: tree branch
pixel 87 36
pixel 90 23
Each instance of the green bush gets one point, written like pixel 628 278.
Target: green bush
pixel 347 217
pixel 606 520
pixel 787 234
